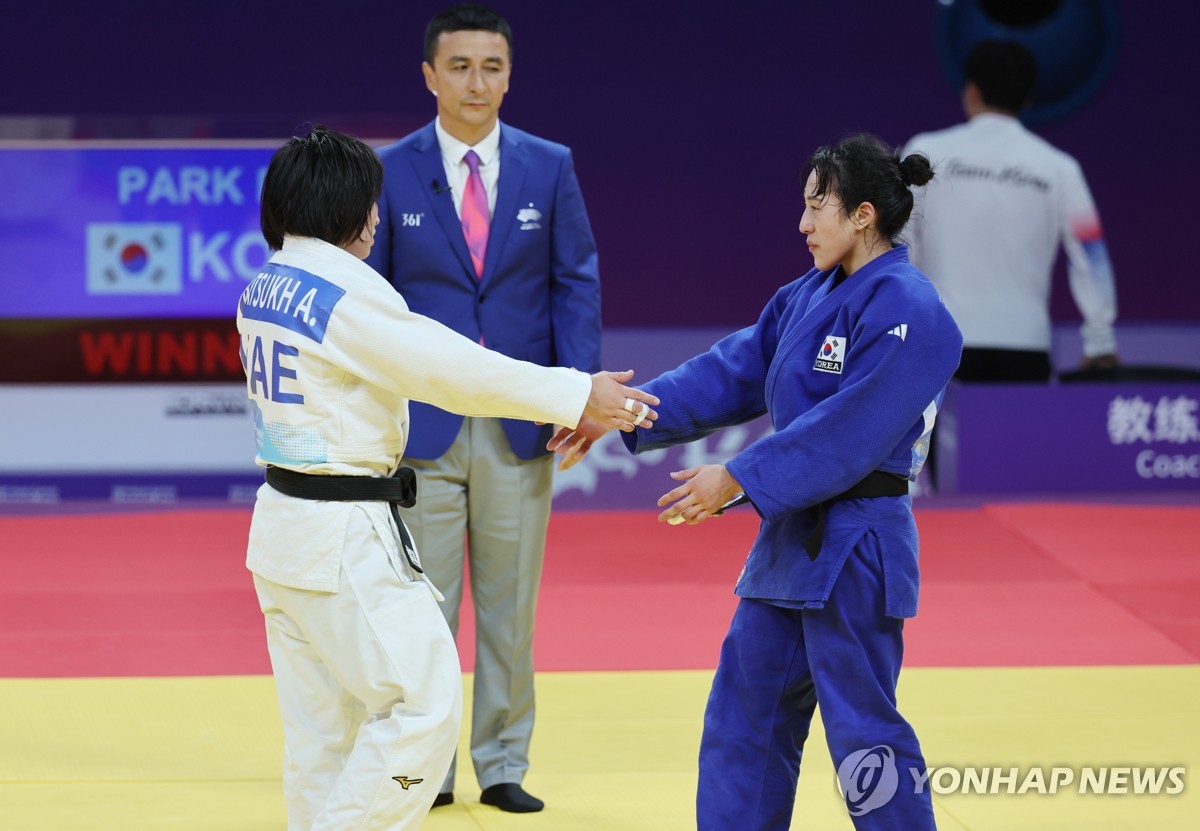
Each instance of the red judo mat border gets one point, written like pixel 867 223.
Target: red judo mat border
pixel 164 591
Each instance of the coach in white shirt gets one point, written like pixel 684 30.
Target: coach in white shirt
pixel 987 229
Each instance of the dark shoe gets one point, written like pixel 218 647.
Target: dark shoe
pixel 511 797
pixel 443 799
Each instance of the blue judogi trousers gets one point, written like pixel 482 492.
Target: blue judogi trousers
pixel 776 665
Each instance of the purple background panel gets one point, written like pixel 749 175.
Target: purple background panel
pixel 1086 437
pixel 690 122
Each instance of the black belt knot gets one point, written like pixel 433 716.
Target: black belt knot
pixel 400 489
pixel 876 483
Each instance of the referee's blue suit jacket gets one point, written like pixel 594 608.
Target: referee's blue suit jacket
pixel 539 297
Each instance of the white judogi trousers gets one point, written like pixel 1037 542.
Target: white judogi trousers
pixel 369 688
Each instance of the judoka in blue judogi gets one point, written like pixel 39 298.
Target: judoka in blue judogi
pixel 850 361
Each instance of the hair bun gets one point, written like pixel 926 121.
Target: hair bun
pixel 915 170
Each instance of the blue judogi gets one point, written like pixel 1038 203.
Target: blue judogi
pixel 851 372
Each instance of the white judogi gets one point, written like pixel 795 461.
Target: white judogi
pixel 366 669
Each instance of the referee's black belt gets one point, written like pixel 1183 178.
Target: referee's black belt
pixel 400 489
pixel 876 483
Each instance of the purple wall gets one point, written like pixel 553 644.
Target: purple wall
pixel 690 121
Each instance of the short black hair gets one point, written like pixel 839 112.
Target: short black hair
pixel 465 17
pixel 1005 72
pixel 863 168
pixel 320 185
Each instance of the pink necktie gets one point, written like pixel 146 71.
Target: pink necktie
pixel 475 213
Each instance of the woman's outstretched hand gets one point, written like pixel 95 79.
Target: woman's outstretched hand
pixel 611 406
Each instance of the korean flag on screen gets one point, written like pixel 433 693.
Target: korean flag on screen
pixel 134 258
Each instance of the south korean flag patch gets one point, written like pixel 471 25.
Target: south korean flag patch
pixel 829 359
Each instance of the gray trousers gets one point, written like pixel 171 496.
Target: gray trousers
pixel 481 504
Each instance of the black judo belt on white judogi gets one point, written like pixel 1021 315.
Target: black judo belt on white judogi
pixel 399 491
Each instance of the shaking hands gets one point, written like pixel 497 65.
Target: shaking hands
pixel 611 406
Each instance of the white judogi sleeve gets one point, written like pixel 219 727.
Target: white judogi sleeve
pixel 333 355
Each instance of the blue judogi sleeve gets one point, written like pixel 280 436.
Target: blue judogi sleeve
pixel 720 388
pixel 830 430
pixel 835 421
pixel 822 447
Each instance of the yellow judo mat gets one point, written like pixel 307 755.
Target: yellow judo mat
pixel 1007 749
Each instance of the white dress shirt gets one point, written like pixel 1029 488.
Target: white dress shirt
pixel 453 151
